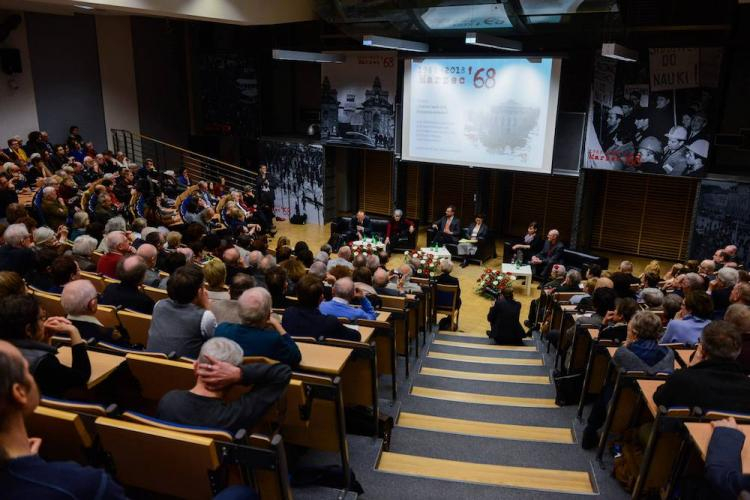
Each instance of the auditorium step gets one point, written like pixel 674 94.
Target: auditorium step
pixel 491 360
pixel 561 481
pixel 486 399
pixel 483 376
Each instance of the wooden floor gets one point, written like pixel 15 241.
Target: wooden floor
pixel 473 317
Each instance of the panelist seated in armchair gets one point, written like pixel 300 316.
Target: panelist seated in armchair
pixel 218 368
pixel 360 227
pixel 551 254
pixel 476 232
pixel 530 244
pixel 447 228
pixel 399 230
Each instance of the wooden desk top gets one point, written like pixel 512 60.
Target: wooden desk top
pixel 323 359
pixel 102 365
pixel 383 316
pixel 701 436
pixel 684 355
pixel 568 307
pixel 366 333
pixel 594 333
pixel 648 388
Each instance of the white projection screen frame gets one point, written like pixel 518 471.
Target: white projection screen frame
pixel 470 138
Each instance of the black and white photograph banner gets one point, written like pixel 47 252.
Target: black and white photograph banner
pixel 722 219
pixel 653 116
pixel 357 103
pixel 296 170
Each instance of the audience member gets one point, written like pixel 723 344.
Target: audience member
pixel 63 270
pixel 343 259
pixel 174 261
pixel 16 254
pixel 118 245
pixel 695 314
pixel 181 323
pixel 260 333
pixel 228 311
pixel 215 273
pixel 83 249
pixel 80 301
pixel 11 284
pixel 149 254
pixel 504 319
pixel 721 290
pixel 339 306
pixel 131 272
pixel 277 285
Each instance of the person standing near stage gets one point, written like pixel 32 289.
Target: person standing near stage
pixel 265 192
pixel 447 228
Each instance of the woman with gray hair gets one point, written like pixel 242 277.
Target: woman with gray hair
pixel 83 247
pixel 398 231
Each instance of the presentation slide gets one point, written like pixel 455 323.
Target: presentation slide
pixel 488 112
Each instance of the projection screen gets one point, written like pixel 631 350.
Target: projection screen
pixel 483 112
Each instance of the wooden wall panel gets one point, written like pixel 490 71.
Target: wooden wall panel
pixel 414 188
pixel 548 200
pixel 375 181
pixel 644 215
pixel 453 186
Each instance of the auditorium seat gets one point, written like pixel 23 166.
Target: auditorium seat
pixel 64 435
pixel 136 324
pixel 574 259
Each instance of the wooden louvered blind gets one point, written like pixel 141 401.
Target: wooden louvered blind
pixel 644 215
pixel 375 181
pixel 546 199
pixel 414 190
pixel 453 186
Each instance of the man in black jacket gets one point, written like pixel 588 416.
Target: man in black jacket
pixel 551 254
pixel 714 380
pixel 359 227
pixel 218 368
pixel 306 320
pixel 16 255
pixel 79 300
pixel 131 271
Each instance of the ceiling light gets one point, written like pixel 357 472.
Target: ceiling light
pixel 619 52
pixel 394 43
pixel 295 55
pixel 493 42
pixel 84 7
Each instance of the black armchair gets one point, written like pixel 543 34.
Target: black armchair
pixel 485 247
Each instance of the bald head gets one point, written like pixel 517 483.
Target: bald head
pixel 132 270
pixel 255 306
pixel 344 289
pixel 345 252
pixel 380 278
pixel 318 269
pixel 117 241
pixel 79 298
pixel 604 283
pixel 254 258
pixel 148 253
pixel 231 256
pixel 405 270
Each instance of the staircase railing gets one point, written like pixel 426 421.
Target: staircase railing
pixel 138 148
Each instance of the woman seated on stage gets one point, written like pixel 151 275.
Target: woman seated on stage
pixel 531 243
pixel 398 229
pixel 476 232
pixel 504 319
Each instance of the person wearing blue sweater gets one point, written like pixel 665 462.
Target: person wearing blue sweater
pixel 339 306
pixel 724 461
pixel 23 473
pixel 686 328
pixel 260 334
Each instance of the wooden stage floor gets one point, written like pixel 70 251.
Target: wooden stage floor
pixel 474 308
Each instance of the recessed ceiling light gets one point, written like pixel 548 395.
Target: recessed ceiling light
pixel 296 55
pixel 385 42
pixel 493 42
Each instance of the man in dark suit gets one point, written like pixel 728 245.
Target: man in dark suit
pixel 714 380
pixel 79 300
pixel 447 228
pixel 551 254
pixel 503 318
pixel 359 227
pixel 131 271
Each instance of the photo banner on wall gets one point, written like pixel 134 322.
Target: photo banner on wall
pixel 357 102
pixel 722 219
pixel 653 116
pixel 296 171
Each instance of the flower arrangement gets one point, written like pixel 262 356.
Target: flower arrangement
pixel 366 248
pixel 427 266
pixel 493 281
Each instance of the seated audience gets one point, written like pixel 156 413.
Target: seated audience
pixel 227 311
pixel 404 283
pixel 215 273
pixel 63 270
pixel 131 272
pixel 671 306
pixel 218 368
pixel 25 326
pixel 615 323
pixel 11 284
pixel 571 283
pixel 181 323
pixel 339 306
pixel 445 278
pixel 40 276
pixel 739 316
pixel 588 288
pixel 504 319
pixel 23 473
pixel 380 284
pixel 16 254
pixel 80 301
pixel 54 210
pixel 724 472
pixel 740 293
pixel 305 319
pixel 721 290
pixel 118 245
pixel 343 259
pixel 641 352
pixel 687 326
pixel 714 380
pixel 172 262
pixel 260 333
pixel 149 254
pixel 652 298
pixel 83 248
pixel 277 285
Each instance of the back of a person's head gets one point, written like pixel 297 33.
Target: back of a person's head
pixel 622 284
pixel 344 289
pixel 240 283
pixel 76 297
pixel 362 275
pixel 276 280
pixel 721 341
pixel 595 271
pixel 359 260
pixel 12 374
pixel 114 239
pixel 131 270
pixel 17 312
pixel 283 253
pixel 215 273
pixel 694 281
pixel 266 263
pixel 11 284
pixel 603 300
pixel 44 258
pixel 573 277
pixel 339 272
pixel 254 306
pixel 172 261
pixel 154 238
pixel 728 276
pixel 671 305
pixel 626 266
pixel 309 291
pixel 300 246
pixel 380 278
pixel 63 269
pixel 446 266
pixel 318 269
pixel 645 325
pixel 699 304
pixel 652 280
pixel 184 284
pixel 15 234
pixel 739 316
pixel 294 269
pixel 221 349
pixel 652 297
pixel 345 252
pixel 626 308
pixel 742 293
pixel 305 256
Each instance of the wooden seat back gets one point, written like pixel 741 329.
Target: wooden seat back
pixel 156 294
pixel 136 324
pixel 159 376
pixel 64 435
pixel 95 280
pixel 107 316
pixel 92 409
pixel 49 301
pixel 448 303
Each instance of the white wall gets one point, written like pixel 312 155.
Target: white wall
pixel 117 71
pixel 18 115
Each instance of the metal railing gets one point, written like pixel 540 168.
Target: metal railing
pixel 138 148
